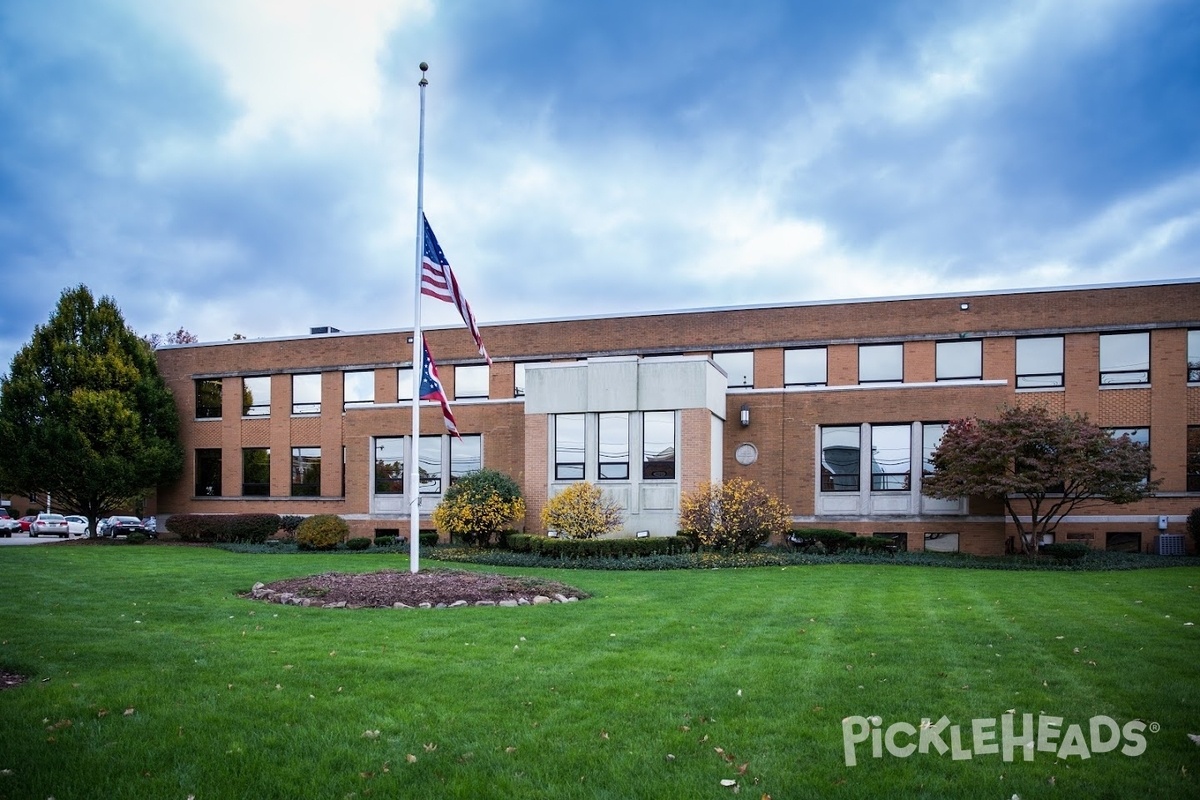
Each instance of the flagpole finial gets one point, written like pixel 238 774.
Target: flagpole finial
pixel 424 68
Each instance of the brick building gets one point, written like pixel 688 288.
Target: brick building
pixel 833 406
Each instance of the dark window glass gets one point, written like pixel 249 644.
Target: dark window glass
pixel 466 456
pixel 1040 362
pixel 891 457
pixel 1193 458
pixel 306 471
pixel 208 398
pixel 208 472
pixel 256 471
pixel 941 542
pixel 613 450
pixel 840 459
pixel 959 360
pixel 568 447
pixel 256 396
pixel 805 367
pixel 658 445
pixel 389 465
pixel 1123 542
pixel 898 540
pixel 1124 358
pixel 881 363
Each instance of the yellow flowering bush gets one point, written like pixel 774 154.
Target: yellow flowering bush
pixel 581 511
pixel 737 515
pixel 478 505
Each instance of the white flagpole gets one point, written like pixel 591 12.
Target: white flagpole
pixel 418 353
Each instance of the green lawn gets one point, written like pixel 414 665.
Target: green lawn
pixel 151 678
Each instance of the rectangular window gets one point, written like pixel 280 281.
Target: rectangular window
pixel 739 366
pixel 256 471
pixel 389 465
pixel 840 459
pixel 1193 363
pixel 1124 358
pixel 1123 542
pixel 941 542
pixel 1139 435
pixel 306 471
pixel 208 398
pixel 804 367
pixel 358 388
pixel 1040 362
pixel 568 447
pixel 613 449
pixel 931 437
pixel 1193 458
pixel 891 458
pixel 208 472
pixel 658 445
pixel 466 456
pixel 471 381
pixel 256 396
pixel 897 540
pixel 881 363
pixel 429 464
pixel 306 394
pixel 404 387
pixel 960 360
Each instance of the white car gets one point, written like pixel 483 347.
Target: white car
pixel 49 525
pixel 78 526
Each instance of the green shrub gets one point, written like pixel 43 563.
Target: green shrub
pixel 358 543
pixel 137 537
pixel 519 542
pixel 582 511
pixel 1067 551
pixel 290 523
pixel 252 528
pixel 428 538
pixel 477 506
pixel 607 548
pixel 384 541
pixel 321 532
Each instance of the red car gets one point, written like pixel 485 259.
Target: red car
pixel 25 522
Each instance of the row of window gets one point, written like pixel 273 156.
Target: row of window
pixel 611 434
pixel 464 455
pixel 891 446
pixel 1124 360
pixel 1119 541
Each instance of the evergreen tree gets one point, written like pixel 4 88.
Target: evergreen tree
pixel 85 415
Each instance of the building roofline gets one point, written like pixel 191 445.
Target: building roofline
pixel 966 295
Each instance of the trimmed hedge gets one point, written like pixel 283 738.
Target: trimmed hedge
pixel 252 528
pixel 385 541
pixel 1067 551
pixel 829 540
pixel 427 538
pixel 358 543
pixel 597 548
pixel 321 532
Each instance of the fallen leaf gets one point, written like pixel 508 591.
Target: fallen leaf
pixel 369 734
pixel 1195 738
pixel 102 712
pixel 430 747
pixel 129 712
pixel 410 758
pixel 728 782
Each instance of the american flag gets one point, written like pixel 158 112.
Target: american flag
pixel 437 280
pixel 431 388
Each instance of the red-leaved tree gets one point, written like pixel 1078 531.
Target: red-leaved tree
pixel 1041 466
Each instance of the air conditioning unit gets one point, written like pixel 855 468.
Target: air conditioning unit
pixel 1169 544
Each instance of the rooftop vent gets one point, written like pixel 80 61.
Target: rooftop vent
pixel 323 329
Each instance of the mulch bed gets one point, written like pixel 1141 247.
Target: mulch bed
pixel 385 588
pixel 10 679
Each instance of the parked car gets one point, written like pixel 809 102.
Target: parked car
pixel 78 525
pixel 26 522
pixel 8 525
pixel 123 526
pixel 45 524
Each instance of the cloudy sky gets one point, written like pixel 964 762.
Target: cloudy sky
pixel 250 166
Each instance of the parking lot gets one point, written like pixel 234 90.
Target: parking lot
pixel 25 538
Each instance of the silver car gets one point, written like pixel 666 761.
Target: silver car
pixel 78 526
pixel 50 525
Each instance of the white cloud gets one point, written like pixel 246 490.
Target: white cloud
pixel 293 66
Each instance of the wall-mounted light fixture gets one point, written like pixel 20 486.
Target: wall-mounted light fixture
pixel 964 306
pixel 744 415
